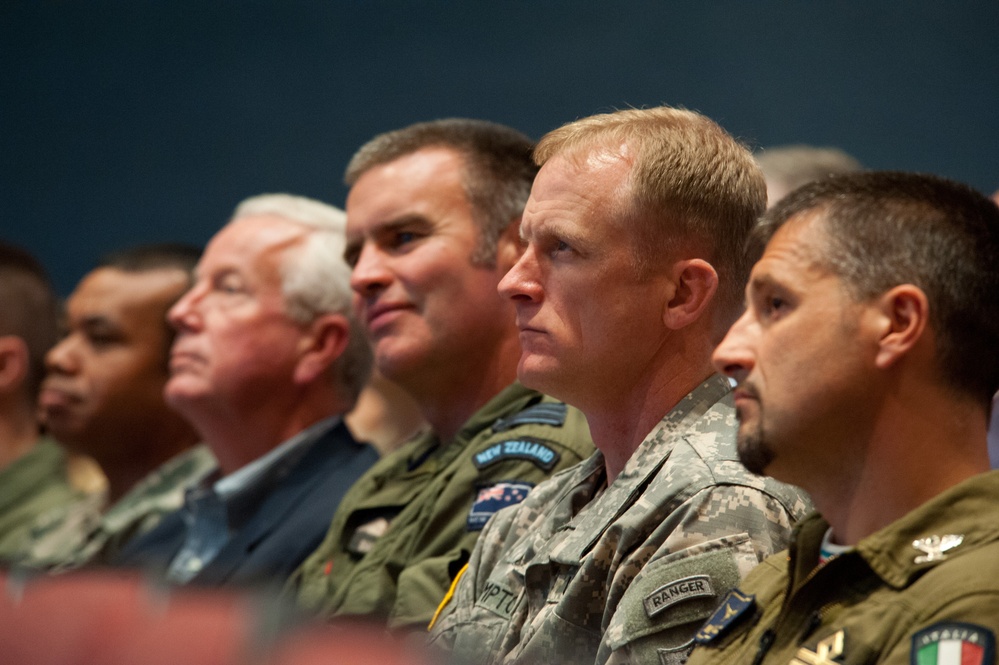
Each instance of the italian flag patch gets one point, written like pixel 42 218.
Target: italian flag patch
pixel 953 643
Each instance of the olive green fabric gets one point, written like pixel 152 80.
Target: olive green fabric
pixel 31 486
pixel 868 604
pixel 91 533
pixel 405 528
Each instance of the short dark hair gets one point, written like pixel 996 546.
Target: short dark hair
pixel 157 256
pixel 498 175
pixel 889 228
pixel 29 309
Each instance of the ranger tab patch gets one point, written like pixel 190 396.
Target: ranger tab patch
pixel 735 605
pixel 953 643
pixel 695 586
pixel 525 448
pixel 493 498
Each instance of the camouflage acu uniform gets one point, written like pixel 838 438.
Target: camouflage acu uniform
pixel 922 590
pixel 31 486
pixel 583 573
pixel 84 535
pixel 408 525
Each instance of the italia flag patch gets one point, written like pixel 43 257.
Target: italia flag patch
pixel 953 643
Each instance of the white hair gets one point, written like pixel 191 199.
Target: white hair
pixel 315 279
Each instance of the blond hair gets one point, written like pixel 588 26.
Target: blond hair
pixel 690 181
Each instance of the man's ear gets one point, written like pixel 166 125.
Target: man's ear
pixel 694 284
pixel 509 247
pixel 903 312
pixel 323 342
pixel 13 363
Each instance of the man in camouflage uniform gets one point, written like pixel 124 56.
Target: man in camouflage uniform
pixel 33 479
pixel 432 225
pixel 866 366
pixel 103 396
pixel 634 232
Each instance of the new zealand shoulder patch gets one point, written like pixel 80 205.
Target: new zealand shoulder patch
pixel 493 498
pixel 735 605
pixel 953 643
pixel 524 448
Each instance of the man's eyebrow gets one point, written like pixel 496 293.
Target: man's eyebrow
pixel 399 222
pixel 551 230
pixel 97 322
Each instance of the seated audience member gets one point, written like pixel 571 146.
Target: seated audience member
pixel 432 225
pixel 866 367
pixel 786 168
pixel 33 478
pixel 634 265
pixel 103 397
pixel 265 361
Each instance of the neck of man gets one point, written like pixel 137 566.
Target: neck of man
pixel 239 434
pixel 18 433
pixel 622 415
pixel 923 442
pixel 141 453
pixel 449 392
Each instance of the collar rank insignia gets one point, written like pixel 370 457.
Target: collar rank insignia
pixel 935 546
pixel 953 643
pixel 825 651
pixel 735 605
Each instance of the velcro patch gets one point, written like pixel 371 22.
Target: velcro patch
pixel 545 413
pixel 676 655
pixel 695 586
pixel 953 643
pixel 365 536
pixel 493 498
pixel 498 599
pixel 734 606
pixel 525 448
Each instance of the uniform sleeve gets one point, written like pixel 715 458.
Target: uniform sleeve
pixel 448 530
pixel 972 622
pixel 710 543
pixel 454 614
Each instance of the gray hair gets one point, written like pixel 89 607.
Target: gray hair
pixel 789 167
pixel 315 280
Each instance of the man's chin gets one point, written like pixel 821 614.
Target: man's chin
pixel 754 453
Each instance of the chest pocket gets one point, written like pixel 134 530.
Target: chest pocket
pixel 366 527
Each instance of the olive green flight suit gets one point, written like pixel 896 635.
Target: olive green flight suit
pixel 406 528
pixel 924 590
pixel 31 486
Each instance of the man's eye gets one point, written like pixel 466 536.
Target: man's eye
pixel 559 247
pixel 775 306
pixel 101 340
pixel 404 238
pixel 351 256
pixel 229 285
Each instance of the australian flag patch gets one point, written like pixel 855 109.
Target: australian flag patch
pixel 493 498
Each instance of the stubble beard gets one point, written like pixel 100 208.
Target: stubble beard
pixel 754 452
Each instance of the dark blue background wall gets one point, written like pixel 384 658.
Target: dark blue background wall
pixel 134 121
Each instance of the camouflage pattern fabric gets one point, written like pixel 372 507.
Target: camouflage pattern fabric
pixel 31 486
pixel 67 540
pixel 408 525
pixel 582 572
pixel 922 590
